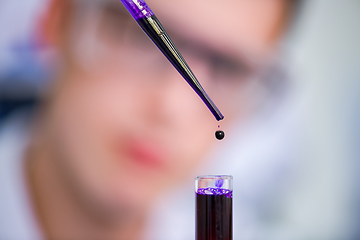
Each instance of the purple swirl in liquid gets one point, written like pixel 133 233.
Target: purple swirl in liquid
pixel 219 183
pixel 215 191
pixel 137 8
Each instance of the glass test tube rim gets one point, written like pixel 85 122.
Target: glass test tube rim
pixel 228 181
pixel 214 177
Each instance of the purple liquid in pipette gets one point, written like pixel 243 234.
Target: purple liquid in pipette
pixel 137 8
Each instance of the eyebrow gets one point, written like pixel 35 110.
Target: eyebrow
pixel 210 52
pixel 115 8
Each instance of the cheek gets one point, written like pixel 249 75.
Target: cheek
pixel 79 128
pixel 91 108
pixel 84 118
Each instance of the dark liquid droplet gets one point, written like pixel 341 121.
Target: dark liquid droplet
pixel 219 135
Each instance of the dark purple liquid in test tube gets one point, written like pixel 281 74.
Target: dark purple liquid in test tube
pixel 213 207
pixel 149 23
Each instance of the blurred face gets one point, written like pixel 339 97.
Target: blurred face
pixel 124 125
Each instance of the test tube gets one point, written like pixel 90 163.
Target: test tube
pixel 213 207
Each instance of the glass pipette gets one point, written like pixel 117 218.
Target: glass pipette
pixel 149 23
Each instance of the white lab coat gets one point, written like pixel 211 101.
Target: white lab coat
pixel 17 219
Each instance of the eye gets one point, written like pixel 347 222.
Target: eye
pixel 228 69
pixel 113 21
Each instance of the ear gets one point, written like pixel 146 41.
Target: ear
pixel 54 22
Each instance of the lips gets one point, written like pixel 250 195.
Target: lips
pixel 145 153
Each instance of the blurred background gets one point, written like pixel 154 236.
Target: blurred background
pixel 21 70
pixel 313 136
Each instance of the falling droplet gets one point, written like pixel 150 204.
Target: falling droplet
pixel 219 135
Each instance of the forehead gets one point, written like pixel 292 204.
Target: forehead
pixel 234 25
